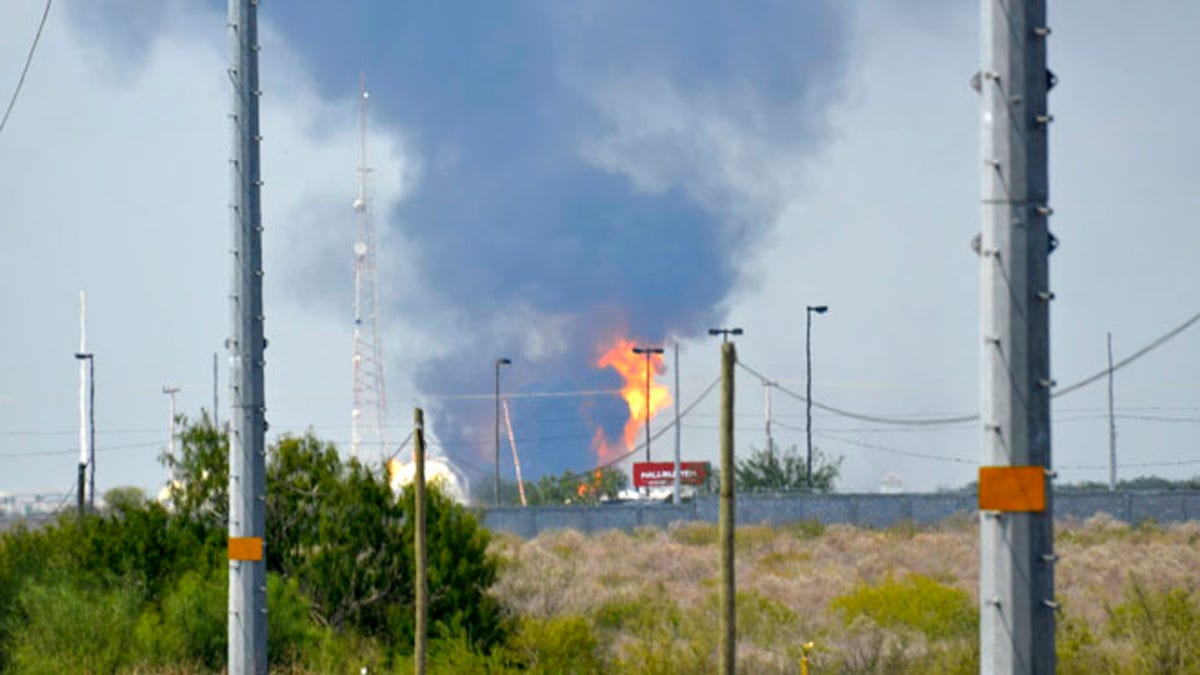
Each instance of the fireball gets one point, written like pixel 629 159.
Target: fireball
pixel 633 370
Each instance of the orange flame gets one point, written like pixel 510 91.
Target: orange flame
pixel 593 488
pixel 632 369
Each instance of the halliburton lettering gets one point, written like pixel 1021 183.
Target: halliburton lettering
pixel 662 474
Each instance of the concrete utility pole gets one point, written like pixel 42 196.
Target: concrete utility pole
pixel 1112 424
pixel 419 558
pixel 247 458
pixel 1017 558
pixel 726 527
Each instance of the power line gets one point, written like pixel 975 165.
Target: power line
pixel 932 421
pixel 25 70
pixel 942 421
pixel 581 393
pixel 107 448
pixel 1139 465
pixel 1131 358
pixel 897 451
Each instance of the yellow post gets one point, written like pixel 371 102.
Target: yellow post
pixel 807 647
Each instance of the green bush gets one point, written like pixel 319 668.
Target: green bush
pixel 695 534
pixel 291 634
pixel 143 586
pixel 641 615
pixel 1164 626
pixel 919 603
pixel 565 644
pixel 810 528
pixel 672 657
pixel 762 620
pixel 344 651
pixel 191 626
pixel 1077 649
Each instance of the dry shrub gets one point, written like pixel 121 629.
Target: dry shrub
pixel 652 591
pixel 694 533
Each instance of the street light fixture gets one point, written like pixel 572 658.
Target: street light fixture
pixel 649 352
pixel 170 390
pixel 91 455
pixel 496 476
pixel 819 309
pixel 724 332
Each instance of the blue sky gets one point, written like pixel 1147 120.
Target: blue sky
pixel 547 174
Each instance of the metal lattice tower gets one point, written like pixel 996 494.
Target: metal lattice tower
pixel 369 415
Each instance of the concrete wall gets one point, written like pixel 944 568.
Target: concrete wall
pixel 864 510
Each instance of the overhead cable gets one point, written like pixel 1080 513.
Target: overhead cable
pixel 582 393
pixel 25 69
pixel 901 421
pixel 896 451
pixel 942 421
pixel 1129 359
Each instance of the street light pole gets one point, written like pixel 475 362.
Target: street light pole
pixel 171 390
pixel 675 491
pixel 724 333
pixel 819 309
pixel 496 475
pixel 649 353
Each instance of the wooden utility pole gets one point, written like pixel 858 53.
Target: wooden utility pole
pixel 422 576
pixel 728 582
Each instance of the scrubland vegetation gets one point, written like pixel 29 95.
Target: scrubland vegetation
pixel 900 600
pixel 143 588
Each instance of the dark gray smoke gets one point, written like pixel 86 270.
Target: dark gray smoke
pixel 587 170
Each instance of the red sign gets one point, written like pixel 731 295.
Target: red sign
pixel 662 474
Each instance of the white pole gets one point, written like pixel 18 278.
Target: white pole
pixel 247 452
pixel 1017 603
pixel 1112 424
pixel 675 495
pixel 86 432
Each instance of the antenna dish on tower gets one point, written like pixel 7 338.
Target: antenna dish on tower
pixel 369 413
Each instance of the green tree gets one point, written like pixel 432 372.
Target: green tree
pixel 336 530
pixel 124 498
pixel 199 489
pixel 575 488
pixel 772 470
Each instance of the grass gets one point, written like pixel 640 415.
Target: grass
pixel 902 600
